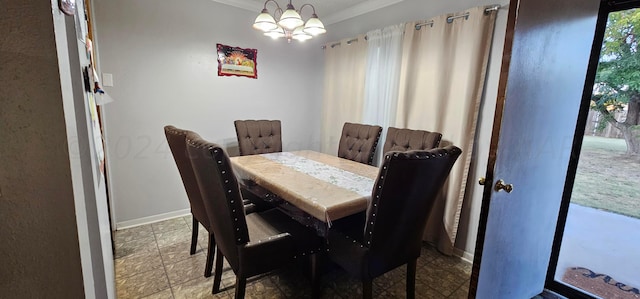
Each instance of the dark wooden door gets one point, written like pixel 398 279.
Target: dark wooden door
pixel 546 54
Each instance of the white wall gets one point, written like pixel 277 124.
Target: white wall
pixel 162 55
pixel 412 10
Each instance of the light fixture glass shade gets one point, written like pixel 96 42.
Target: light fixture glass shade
pixel 314 26
pixel 265 22
pixel 289 24
pixel 290 19
pixel 275 33
pixel 299 34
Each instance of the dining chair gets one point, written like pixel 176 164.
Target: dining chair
pixel 176 138
pixel 391 235
pixel 358 142
pixel 407 139
pixel 252 244
pixel 258 136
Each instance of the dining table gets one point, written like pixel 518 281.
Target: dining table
pixel 314 188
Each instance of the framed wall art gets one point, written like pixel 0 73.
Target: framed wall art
pixel 235 61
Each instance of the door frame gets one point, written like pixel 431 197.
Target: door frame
pixel 606 7
pixel 541 68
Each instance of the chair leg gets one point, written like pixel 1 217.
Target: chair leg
pixel 211 252
pixel 367 289
pixel 194 235
pixel 411 279
pixel 241 284
pixel 315 282
pixel 217 273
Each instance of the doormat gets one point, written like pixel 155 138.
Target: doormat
pixel 599 284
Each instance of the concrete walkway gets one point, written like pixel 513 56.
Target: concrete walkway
pixel 603 242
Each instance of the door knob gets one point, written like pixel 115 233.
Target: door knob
pixel 481 181
pixel 500 185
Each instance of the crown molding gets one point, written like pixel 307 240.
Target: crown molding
pixel 244 4
pixel 347 13
pixel 356 10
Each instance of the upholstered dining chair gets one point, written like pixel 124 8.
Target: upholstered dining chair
pixel 258 136
pixel 402 197
pixel 407 139
pixel 358 142
pixel 176 138
pixel 252 244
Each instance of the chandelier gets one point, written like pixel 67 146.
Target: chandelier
pixel 289 25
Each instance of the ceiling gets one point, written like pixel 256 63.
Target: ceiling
pixel 329 11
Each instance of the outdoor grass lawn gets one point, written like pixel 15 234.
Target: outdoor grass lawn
pixel 607 179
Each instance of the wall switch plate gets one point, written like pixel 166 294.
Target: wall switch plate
pixel 107 79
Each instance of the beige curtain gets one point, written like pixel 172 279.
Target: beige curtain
pixel 344 77
pixel 441 83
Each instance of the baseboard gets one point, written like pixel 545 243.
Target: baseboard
pixel 152 219
pixel 463 255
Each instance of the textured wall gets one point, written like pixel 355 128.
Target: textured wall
pixel 38 234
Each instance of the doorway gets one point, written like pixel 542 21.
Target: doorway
pixel 595 251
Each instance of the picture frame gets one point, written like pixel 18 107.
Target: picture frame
pixel 236 61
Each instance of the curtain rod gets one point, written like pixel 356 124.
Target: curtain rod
pixel 339 43
pixel 450 19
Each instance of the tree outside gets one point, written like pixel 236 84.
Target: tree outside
pixel 617 84
pixel 599 243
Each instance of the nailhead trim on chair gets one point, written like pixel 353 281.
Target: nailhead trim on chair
pixel 176 131
pixel 417 154
pixel 268 239
pixel 375 146
pixel 370 227
pixel 218 155
pixel 401 140
pixel 235 213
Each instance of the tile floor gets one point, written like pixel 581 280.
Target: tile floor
pixel 153 261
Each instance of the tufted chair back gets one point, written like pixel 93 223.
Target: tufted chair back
pixel 403 195
pixel 220 194
pixel 407 139
pixel 358 142
pixel 258 136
